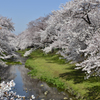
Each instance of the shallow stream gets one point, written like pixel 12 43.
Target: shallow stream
pixel 27 86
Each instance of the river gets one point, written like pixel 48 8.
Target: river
pixel 27 86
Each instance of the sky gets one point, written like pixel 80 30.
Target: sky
pixel 23 11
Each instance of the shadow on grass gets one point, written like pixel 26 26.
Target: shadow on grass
pixel 94 93
pixel 78 76
pixel 55 59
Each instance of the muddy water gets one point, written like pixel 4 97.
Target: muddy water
pixel 26 86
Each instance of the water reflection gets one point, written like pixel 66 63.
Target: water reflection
pixel 26 86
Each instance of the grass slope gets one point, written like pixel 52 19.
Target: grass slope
pixel 63 75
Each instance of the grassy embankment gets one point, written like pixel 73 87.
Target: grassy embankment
pixel 62 75
pixel 13 63
pixel 10 61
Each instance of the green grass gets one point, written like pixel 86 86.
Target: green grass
pixel 22 52
pixel 13 63
pixel 0 79
pixel 63 75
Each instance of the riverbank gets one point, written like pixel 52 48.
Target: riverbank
pixel 9 62
pixel 62 75
pixel 26 87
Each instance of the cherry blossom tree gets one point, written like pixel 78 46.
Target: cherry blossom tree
pixel 72 28
pixel 5 33
pixel 7 39
pixel 31 36
pixel 92 64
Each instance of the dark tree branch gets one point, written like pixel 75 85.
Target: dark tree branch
pixel 87 20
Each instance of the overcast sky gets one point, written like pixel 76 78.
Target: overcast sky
pixel 23 11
